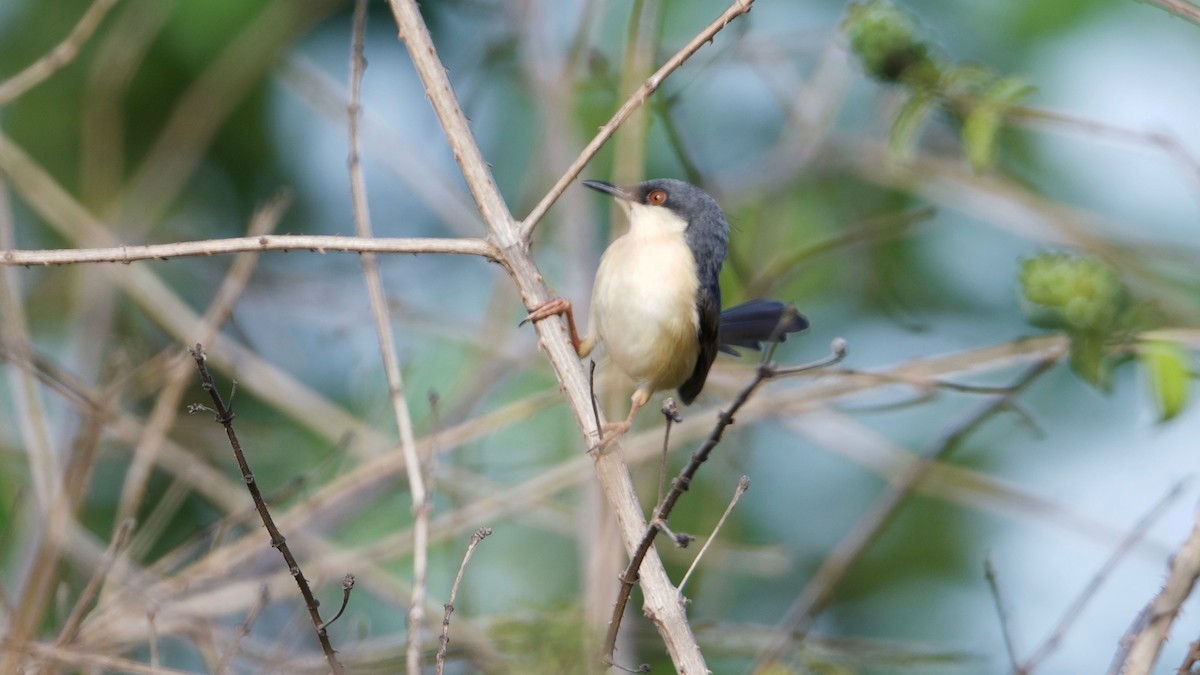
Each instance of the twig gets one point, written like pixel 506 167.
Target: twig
pixel 391 361
pixel 671 414
pixel 57 58
pixel 347 586
pixel 1073 611
pixel 989 573
pixel 480 534
pixel 225 418
pixel 681 483
pixel 1141 644
pixel 742 486
pixel 635 100
pixel 819 590
pixel 269 242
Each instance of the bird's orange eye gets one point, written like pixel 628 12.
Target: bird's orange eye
pixel 656 197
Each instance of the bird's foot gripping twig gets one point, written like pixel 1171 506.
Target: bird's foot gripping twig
pixel 556 306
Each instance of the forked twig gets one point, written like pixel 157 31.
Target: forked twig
pixel 766 370
pixel 742 486
pixel 225 418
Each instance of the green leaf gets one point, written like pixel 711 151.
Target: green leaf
pixel 908 125
pixel 1168 371
pixel 1009 90
pixel 1087 358
pixel 979 135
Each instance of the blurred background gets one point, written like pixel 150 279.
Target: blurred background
pixel 933 182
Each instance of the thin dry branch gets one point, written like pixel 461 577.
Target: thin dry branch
pixel 635 101
pixel 480 534
pixel 71 626
pixel 742 486
pixel 271 242
pixel 1180 8
pixel 1071 614
pixel 225 418
pixel 59 57
pixel 1143 641
pixel 387 351
pixel 819 590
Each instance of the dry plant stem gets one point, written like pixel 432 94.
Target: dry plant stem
pixel 480 534
pixel 50 514
pixel 661 601
pixel 817 593
pixel 989 574
pixel 1141 644
pixel 387 350
pixel 742 486
pixel 57 58
pixel 225 418
pixel 71 625
pixel 267 242
pixel 1180 8
pixel 200 112
pixel 1089 591
pixel 635 100
pixel 90 661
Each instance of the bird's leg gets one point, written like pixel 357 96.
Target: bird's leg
pixel 615 430
pixel 561 306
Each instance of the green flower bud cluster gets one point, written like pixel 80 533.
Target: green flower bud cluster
pixel 1084 293
pixel 884 38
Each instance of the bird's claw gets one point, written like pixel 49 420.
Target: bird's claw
pixel 546 310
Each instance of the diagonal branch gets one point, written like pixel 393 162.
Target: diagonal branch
pixel 635 101
pixel 59 57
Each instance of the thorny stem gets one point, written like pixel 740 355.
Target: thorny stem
pixel 225 418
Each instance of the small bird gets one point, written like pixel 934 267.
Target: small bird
pixel 656 301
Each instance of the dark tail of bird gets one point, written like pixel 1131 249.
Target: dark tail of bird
pixel 750 324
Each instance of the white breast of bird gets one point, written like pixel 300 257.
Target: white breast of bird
pixel 644 306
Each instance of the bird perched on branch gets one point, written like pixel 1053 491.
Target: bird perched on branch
pixel 656 302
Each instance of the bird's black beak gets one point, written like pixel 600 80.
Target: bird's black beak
pixel 615 191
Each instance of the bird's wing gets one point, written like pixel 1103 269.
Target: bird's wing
pixel 708 308
pixel 749 325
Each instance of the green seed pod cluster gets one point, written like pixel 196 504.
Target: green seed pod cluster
pixel 884 38
pixel 1085 294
